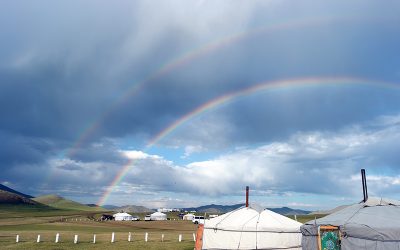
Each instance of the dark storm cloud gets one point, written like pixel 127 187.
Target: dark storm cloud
pixel 65 66
pixel 343 51
pixel 74 69
pixel 284 112
pixel 16 149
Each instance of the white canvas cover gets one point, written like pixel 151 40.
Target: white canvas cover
pixel 188 217
pixel 158 216
pixel 122 216
pixel 246 228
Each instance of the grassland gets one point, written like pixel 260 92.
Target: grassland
pixel 29 221
pixel 305 218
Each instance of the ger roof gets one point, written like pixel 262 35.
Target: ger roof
pixel 249 219
pixel 157 214
pixel 121 214
pixel 375 211
pixel 377 218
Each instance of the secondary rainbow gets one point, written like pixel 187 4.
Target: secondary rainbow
pixel 235 95
pixel 186 59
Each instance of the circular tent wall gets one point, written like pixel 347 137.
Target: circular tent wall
pixel 188 217
pixel 158 216
pixel 246 228
pixel 122 216
pixel 374 224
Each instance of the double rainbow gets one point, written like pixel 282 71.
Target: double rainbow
pixel 231 97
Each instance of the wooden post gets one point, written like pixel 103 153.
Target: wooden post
pixel 194 237
pixel 112 237
pixel 17 239
pixel 76 239
pixel 129 236
pixel 38 238
pixel 180 238
pixel 57 237
pixel 94 239
pixel 146 237
pixel 199 237
pixel 162 237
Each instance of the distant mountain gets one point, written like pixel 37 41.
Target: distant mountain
pixel 5 188
pixel 14 199
pixel 289 211
pixel 133 209
pixel 59 202
pixel 218 209
pixel 93 205
pixel 109 207
pixel 331 211
pixel 213 208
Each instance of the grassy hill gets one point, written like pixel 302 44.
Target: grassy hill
pixel 14 199
pixel 5 188
pixel 16 206
pixel 59 202
pixel 110 207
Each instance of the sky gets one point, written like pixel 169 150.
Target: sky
pixel 184 103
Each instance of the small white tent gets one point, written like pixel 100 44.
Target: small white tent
pixel 188 217
pixel 122 216
pixel 158 216
pixel 246 228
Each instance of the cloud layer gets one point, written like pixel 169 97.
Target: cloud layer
pixel 85 86
pixel 320 163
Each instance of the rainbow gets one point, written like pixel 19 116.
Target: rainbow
pixel 235 95
pixel 117 179
pixel 186 59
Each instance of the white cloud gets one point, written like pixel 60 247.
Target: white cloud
pixel 308 163
pixel 297 204
pixel 134 154
pixel 312 162
pixel 378 185
pixel 303 163
pixel 190 149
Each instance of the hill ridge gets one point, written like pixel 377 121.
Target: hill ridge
pixel 15 199
pixel 10 190
pixel 56 201
pixel 133 209
pixel 214 208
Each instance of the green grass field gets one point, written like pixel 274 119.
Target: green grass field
pixel 103 240
pixel 305 218
pixel 29 221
